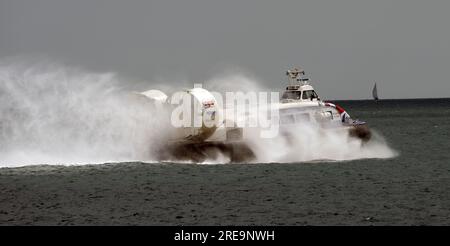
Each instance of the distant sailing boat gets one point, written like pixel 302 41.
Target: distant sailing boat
pixel 375 92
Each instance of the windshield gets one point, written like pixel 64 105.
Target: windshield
pixel 309 95
pixel 291 95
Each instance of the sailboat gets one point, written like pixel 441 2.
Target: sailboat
pixel 375 92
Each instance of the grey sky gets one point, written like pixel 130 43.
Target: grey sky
pixel 344 44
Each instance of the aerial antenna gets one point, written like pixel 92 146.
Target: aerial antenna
pixel 295 75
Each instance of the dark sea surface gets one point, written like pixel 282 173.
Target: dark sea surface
pixel 410 189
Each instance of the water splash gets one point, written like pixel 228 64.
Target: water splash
pixel 52 114
pixel 305 142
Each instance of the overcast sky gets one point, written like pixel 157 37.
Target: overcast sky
pixel 345 45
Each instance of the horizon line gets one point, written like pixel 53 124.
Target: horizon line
pixel 407 98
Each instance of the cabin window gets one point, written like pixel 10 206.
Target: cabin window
pixel 295 95
pixel 329 113
pixel 311 94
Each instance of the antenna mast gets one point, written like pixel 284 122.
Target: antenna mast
pixel 295 76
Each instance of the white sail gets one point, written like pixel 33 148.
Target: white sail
pixel 375 92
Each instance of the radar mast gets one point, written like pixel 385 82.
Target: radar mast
pixel 296 76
